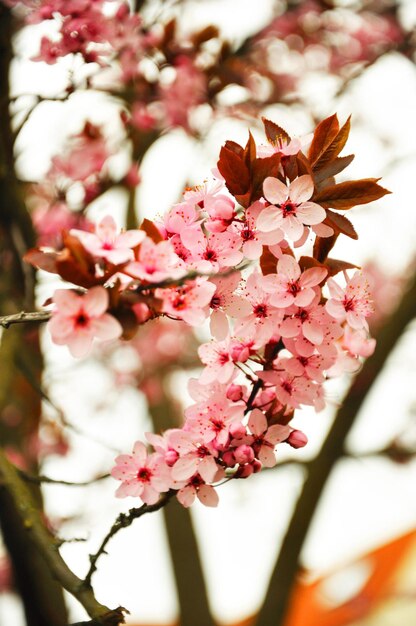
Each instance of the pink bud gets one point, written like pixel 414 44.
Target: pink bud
pixel 141 311
pixel 297 439
pixel 235 392
pixel 237 430
pixel 171 457
pixel 256 465
pixel 244 471
pixel 228 458
pixel 244 454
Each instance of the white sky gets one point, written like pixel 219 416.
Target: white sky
pixel 366 502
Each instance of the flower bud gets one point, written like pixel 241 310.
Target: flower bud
pixel 256 465
pixel 171 457
pixel 244 454
pixel 297 439
pixel 244 471
pixel 234 392
pixel 237 430
pixel 228 458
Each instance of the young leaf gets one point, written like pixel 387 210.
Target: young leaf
pixel 340 224
pixel 332 168
pixel 323 246
pixel 274 133
pixel 234 170
pixel 335 147
pixel 351 193
pixel 151 230
pixel 323 136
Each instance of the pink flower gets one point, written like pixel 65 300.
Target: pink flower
pixel 254 239
pixel 265 438
pixel 187 302
pixel 217 357
pixel 210 254
pixel 226 301
pixel 289 210
pixel 107 244
pixel 156 262
pixel 142 475
pixel 196 488
pixel 352 303
pixel 290 285
pixel 77 319
pixel 263 321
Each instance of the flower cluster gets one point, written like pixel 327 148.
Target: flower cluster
pixel 281 324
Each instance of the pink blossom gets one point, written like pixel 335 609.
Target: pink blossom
pixel 187 302
pixel 352 303
pixel 358 343
pixel 263 321
pixel 196 488
pixel 142 475
pixel 221 212
pixel 226 301
pixel 291 285
pixel 77 319
pixel 290 390
pixel 106 243
pixel 212 253
pixel 156 262
pixel 211 420
pixel 252 238
pixel 289 210
pixel 216 356
pixel 264 437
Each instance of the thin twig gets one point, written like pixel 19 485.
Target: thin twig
pixel 23 317
pixel 123 521
pixel 52 481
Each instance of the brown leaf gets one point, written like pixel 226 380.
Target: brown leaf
pixel 234 170
pixel 306 262
pixel 268 262
pixel 274 133
pixel 250 151
pixel 333 168
pixel 261 169
pixel 340 224
pixel 351 193
pixel 335 147
pixel 323 136
pixel 207 33
pixel 43 260
pixel 335 266
pixel 323 246
pixel 151 230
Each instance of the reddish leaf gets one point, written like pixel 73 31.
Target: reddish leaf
pixel 335 147
pixel 261 169
pixel 43 260
pixel 268 262
pixel 151 230
pixel 250 152
pixel 335 266
pixel 235 171
pixel 349 194
pixel 340 224
pixel 274 133
pixel 306 262
pixel 304 167
pixel 207 33
pixel 323 246
pixel 323 136
pixel 333 168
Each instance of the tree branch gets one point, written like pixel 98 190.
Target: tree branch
pixel 275 606
pixel 21 318
pixel 48 547
pixel 123 521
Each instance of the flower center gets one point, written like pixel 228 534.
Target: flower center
pixel 247 234
pixel 210 255
pixel 81 320
pixel 288 208
pixel 260 310
pixel 144 475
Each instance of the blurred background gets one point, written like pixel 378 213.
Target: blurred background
pixel 222 65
